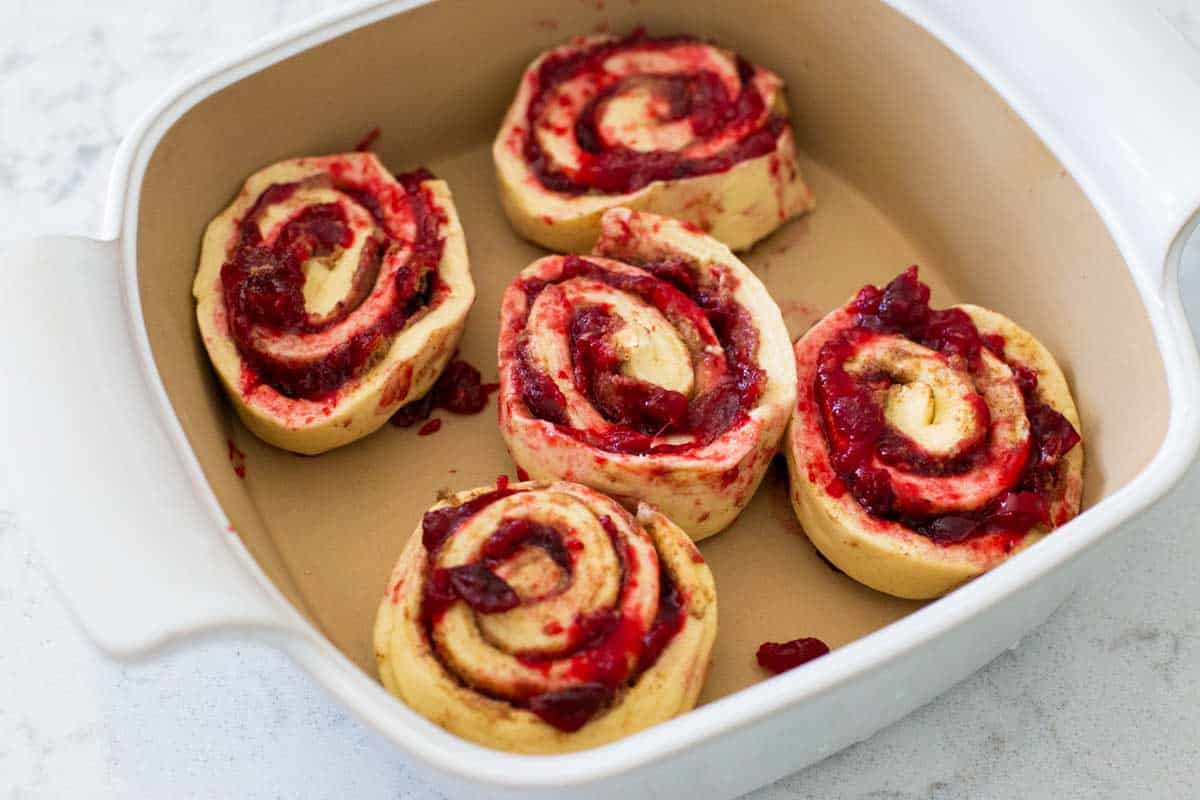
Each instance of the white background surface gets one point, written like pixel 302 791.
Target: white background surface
pixel 1103 701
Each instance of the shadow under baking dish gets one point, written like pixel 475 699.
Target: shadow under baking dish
pixel 913 157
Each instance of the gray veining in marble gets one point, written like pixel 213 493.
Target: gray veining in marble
pixel 1101 702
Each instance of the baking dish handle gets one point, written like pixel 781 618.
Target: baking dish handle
pixel 94 472
pixel 1114 90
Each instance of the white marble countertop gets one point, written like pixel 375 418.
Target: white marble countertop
pixel 1102 701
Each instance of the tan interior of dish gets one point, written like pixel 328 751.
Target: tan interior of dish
pixel 913 157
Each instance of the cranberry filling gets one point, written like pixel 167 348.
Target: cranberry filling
pixel 781 656
pixel 903 307
pixel 854 425
pixel 440 594
pixel 542 396
pixel 570 709
pixel 263 285
pixel 642 410
pixel 513 533
pixel 460 389
pixel 674 270
pixel 1053 435
pixel 482 589
pixel 592 630
pixel 439 524
pixel 701 98
pixel 667 623
pixel 592 350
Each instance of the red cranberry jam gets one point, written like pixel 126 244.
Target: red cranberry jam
pixel 459 389
pixel 781 656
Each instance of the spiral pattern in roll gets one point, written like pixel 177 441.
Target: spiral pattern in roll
pixel 544 617
pixel 674 125
pixel 330 293
pixel 657 369
pixel 928 445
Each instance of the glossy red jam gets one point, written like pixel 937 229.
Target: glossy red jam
pixel 263 284
pixel 459 389
pixel 701 98
pixel 437 525
pixel 855 428
pixel 667 623
pixel 482 589
pixel 781 656
pixel 570 709
pixel 607 649
pixel 642 410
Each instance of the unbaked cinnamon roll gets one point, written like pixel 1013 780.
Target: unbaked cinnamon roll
pixel 329 294
pixel 928 446
pixel 672 125
pixel 656 369
pixel 545 618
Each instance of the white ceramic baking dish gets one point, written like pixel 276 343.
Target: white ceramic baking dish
pixel 138 540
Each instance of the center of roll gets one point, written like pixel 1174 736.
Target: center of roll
pixel 923 397
pixel 619 357
pixel 646 114
pixel 650 350
pixel 536 565
pixel 328 236
pixel 552 553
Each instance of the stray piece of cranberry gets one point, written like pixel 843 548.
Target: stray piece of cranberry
pixel 460 388
pixel 781 656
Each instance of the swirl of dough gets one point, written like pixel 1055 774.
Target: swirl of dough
pixel 658 369
pixel 676 126
pixel 330 293
pixel 544 617
pixel 928 445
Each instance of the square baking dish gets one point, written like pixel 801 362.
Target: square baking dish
pixel 1005 149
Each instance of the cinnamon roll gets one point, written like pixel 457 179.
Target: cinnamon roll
pixel 544 618
pixel 672 125
pixel 928 445
pixel 329 294
pixel 656 369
